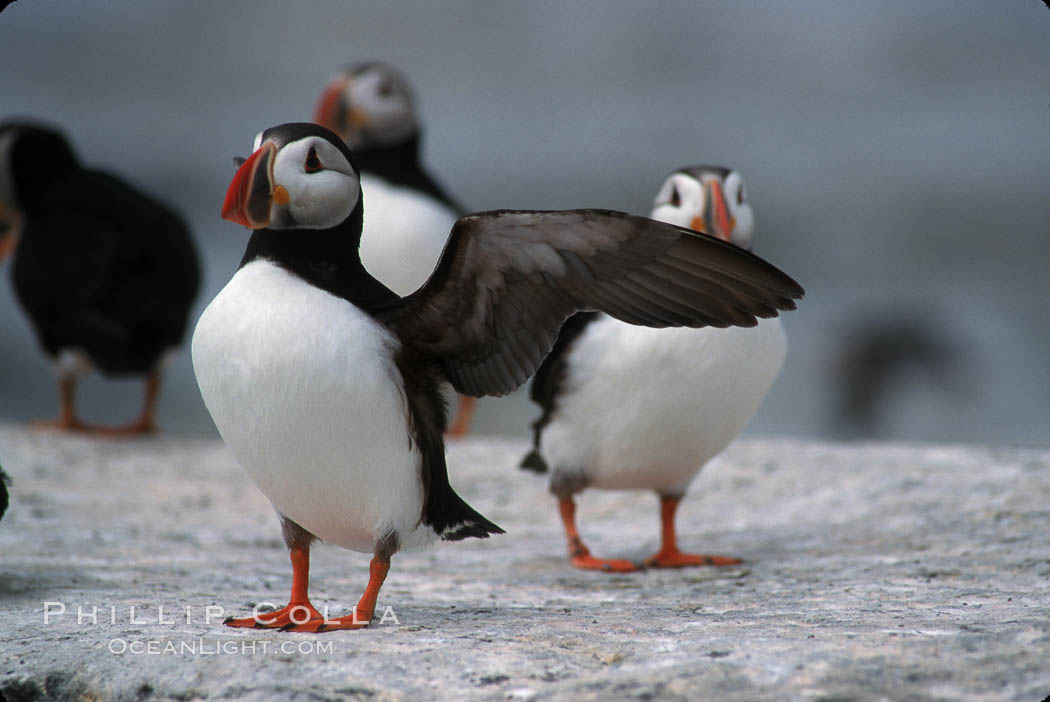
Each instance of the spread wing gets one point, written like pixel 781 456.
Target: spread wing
pixel 508 279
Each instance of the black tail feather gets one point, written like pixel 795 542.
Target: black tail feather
pixel 461 521
pixel 534 461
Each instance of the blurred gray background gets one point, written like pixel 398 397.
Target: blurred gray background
pixel 897 156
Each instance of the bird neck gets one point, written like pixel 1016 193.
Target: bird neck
pixel 399 164
pixel 328 259
pixel 390 162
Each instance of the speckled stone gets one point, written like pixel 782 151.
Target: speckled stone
pixel 876 571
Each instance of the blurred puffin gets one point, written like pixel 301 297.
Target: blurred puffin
pixel 105 274
pixel 371 106
pixel 326 385
pixel 4 480
pixel 627 407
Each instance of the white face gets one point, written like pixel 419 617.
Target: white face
pixel 683 200
pixel 320 186
pixel 379 109
pixel 679 200
pixel 739 210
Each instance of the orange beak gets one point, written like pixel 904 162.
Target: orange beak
pixel 251 193
pixel 8 235
pixel 716 220
pixel 723 223
pixel 331 112
pixel 7 244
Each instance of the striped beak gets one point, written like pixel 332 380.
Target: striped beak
pixel 251 193
pixel 331 109
pixel 716 220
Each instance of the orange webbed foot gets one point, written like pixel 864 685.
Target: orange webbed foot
pixel 58 425
pixel 677 559
pixel 286 618
pixel 347 623
pixel 75 426
pixel 137 428
pixel 607 565
pixel 579 555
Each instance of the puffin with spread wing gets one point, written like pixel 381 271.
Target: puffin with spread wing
pixel 327 386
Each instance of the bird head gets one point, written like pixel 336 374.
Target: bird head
pixel 369 105
pixel 299 176
pixel 708 199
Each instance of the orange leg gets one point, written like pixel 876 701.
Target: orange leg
pixel 366 606
pixel 669 556
pixel 300 615
pixel 464 415
pixel 67 420
pixel 298 610
pixel 579 555
pixel 144 424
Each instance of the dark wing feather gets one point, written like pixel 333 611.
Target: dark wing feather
pixel 508 279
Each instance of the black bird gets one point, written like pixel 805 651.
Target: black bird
pixel 885 355
pixel 4 481
pixel 105 273
pixel 327 386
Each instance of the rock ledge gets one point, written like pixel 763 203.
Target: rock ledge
pixel 879 571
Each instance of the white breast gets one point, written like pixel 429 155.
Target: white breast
pixel 646 408
pixel 302 387
pixel 404 234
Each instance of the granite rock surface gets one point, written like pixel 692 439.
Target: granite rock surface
pixel 874 571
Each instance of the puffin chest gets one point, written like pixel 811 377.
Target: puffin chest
pixel 646 408
pixel 404 234
pixel 304 389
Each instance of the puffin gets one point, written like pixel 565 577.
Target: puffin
pixel 327 386
pixel 105 273
pixel 625 407
pixel 4 481
pixel 373 108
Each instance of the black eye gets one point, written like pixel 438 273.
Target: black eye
pixel 313 164
pixel 676 200
pixel 385 89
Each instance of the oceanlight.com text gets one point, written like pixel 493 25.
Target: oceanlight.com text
pixel 212 647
